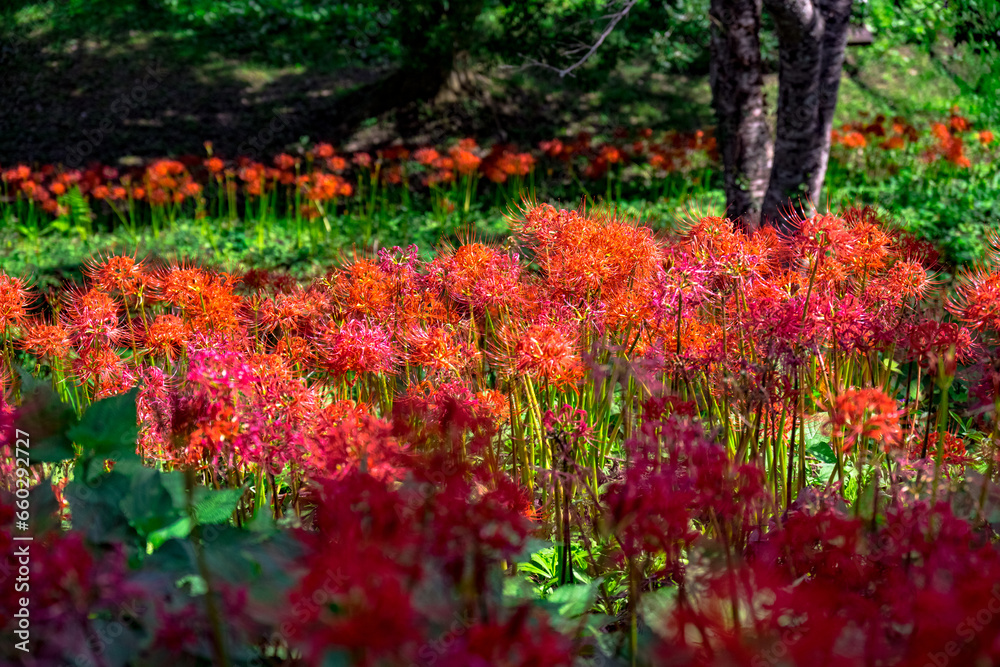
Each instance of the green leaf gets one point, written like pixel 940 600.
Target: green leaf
pixel 217 506
pixel 575 599
pixel 179 530
pixel 109 428
pixel 44 508
pixel 823 451
pixel 45 419
pixel 96 509
pixel 195 581
pixel 174 483
pixel 148 505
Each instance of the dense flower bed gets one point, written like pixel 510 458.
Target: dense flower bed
pixel 594 445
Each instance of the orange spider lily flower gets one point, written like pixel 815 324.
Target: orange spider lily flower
pixel 865 413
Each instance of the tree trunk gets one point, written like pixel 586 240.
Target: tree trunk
pixel 812 38
pixel 430 34
pixel 738 98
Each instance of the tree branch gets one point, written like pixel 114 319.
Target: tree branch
pixel 613 20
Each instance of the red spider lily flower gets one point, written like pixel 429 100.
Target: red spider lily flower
pixel 930 342
pixel 581 255
pixel 955 152
pixel 323 151
pixel 876 128
pixel 336 164
pixel 251 174
pixel 296 350
pixel 596 169
pixel 985 137
pixel 118 273
pixel 610 154
pixel 207 299
pixel 362 160
pixel 870 245
pixel 100 364
pixel 166 336
pixel 865 413
pixel 494 172
pixel 440 176
pixel 15 298
pixel 824 236
pixel 357 347
pixel 958 123
pixel 525 164
pixel 854 139
pixel 393 153
pixel 190 189
pixel 977 299
pixel 466 162
pixel 426 156
pixel 893 143
pixel 545 352
pixel 438 348
pixel 47 341
pixel 284 161
pixel 58 189
pixel 526 639
pixel 553 148
pixel 214 165
pixel 496 403
pixel 92 318
pixel 165 168
pixel 364 289
pixel 444 163
pixel 326 187
pixel 296 312
pixel 159 197
pixel 392 175
pixel 19 173
pixel 480 276
pixel 886 292
pixel 349 439
pixel 567 422
pixel 940 131
pixel 954 452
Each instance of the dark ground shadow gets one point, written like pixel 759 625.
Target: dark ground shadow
pixel 74 97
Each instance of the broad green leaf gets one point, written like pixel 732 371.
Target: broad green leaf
pixel 576 599
pixel 109 428
pixel 217 506
pixel 148 506
pixel 45 419
pixel 96 509
pixel 179 529
pixel 823 451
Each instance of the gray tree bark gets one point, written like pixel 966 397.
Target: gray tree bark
pixel 780 183
pixel 738 99
pixel 812 39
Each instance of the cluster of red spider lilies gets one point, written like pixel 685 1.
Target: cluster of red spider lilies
pixel 745 449
pixel 949 138
pixel 316 181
